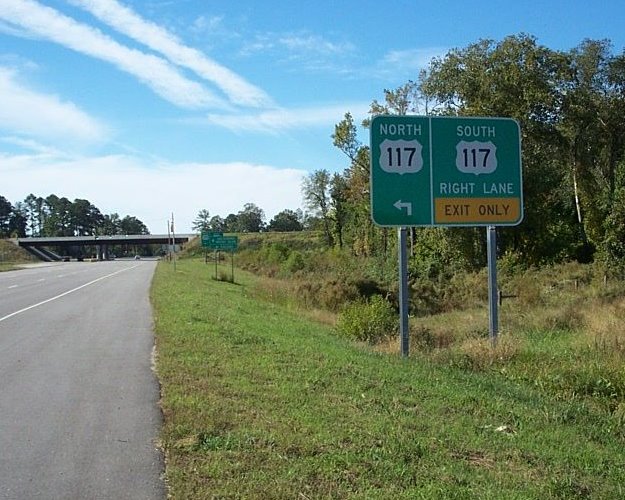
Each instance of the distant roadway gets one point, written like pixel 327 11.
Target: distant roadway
pixel 79 415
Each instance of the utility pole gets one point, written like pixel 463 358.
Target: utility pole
pixel 173 237
pixel 168 241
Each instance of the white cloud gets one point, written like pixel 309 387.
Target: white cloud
pixel 24 111
pixel 406 62
pixel 304 52
pixel 314 44
pixel 210 24
pixel 32 146
pixel 281 120
pixel 300 45
pixel 12 30
pixel 126 21
pixel 128 186
pixel 154 71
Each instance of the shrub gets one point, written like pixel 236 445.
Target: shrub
pixel 370 321
pixel 295 262
pixel 275 253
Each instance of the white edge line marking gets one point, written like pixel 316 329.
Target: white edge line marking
pixel 65 293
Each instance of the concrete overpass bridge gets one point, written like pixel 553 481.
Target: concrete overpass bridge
pixel 40 247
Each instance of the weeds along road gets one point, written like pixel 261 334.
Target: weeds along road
pixel 78 399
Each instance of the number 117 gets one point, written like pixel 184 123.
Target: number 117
pixel 471 157
pixel 399 152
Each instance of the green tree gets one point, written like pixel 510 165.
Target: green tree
pixel 316 193
pixel 613 248
pixel 345 138
pixel 217 224
pixel 85 218
pixel 6 210
pixel 251 219
pixel 202 221
pixel 359 229
pixel 231 223
pixel 340 206
pixel 405 100
pixel 36 214
pixel 285 221
pixel 58 220
pixel 111 224
pixel 18 220
pixel 132 225
pixel 593 131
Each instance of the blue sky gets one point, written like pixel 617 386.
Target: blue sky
pixel 158 106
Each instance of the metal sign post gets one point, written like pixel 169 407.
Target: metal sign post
pixel 168 241
pixel 232 266
pixel 493 303
pixel 403 292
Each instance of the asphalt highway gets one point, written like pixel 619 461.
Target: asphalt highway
pixel 79 414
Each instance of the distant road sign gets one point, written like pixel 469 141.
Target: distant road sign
pixel 210 236
pixel 448 171
pixel 226 243
pixel 215 240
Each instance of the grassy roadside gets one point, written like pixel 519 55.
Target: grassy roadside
pixel 11 256
pixel 260 402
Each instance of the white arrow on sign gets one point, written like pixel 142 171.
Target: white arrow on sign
pixel 399 205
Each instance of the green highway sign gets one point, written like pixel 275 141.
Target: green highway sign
pixel 400 170
pixel 447 171
pixel 226 243
pixel 208 237
pixel 215 240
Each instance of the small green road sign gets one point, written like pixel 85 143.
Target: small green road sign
pixel 215 240
pixel 226 243
pixel 208 237
pixel 449 171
